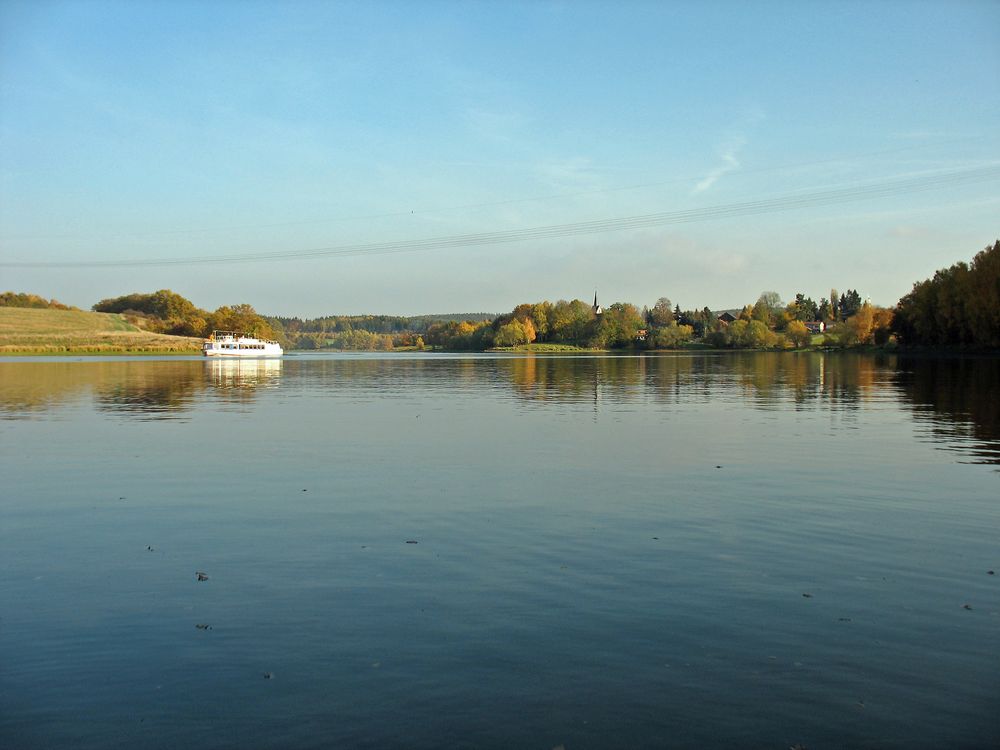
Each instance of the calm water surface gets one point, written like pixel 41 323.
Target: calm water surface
pixel 495 552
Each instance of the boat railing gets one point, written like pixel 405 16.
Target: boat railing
pixel 233 336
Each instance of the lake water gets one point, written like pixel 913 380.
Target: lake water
pixel 423 551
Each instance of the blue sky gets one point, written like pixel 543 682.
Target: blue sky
pixel 132 131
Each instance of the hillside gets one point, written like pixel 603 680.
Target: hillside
pixel 35 331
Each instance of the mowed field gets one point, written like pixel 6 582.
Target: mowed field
pixel 30 331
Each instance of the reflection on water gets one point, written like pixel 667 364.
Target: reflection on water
pixel 142 389
pixel 762 377
pixel 711 550
pixel 165 390
pixel 956 401
pixel 244 374
pixel 952 398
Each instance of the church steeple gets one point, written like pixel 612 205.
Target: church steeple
pixel 598 310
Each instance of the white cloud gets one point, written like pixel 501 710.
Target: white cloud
pixel 728 153
pixel 730 148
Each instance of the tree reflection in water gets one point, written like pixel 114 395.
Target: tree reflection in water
pixel 955 399
pixel 952 399
pixel 136 389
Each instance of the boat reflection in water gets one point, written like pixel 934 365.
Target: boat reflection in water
pixel 243 374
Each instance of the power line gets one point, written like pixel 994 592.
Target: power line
pixel 747 208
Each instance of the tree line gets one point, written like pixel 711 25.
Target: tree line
pixel 768 323
pixel 22 299
pixel 167 312
pixel 959 306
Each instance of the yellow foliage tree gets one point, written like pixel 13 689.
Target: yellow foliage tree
pixel 798 334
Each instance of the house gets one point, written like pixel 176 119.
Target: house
pixel 640 335
pixel 726 318
pixel 815 326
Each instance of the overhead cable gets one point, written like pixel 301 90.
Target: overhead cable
pixel 827 197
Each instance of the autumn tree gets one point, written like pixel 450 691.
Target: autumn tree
pixel 759 336
pixel 23 299
pixel 240 318
pixel 570 321
pixel 766 307
pixel 662 313
pixel 618 326
pixel 670 336
pixel 882 325
pixel 540 315
pixel 513 333
pixel 798 334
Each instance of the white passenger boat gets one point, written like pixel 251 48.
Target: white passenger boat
pixel 229 344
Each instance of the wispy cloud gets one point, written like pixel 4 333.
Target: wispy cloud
pixel 728 153
pixel 730 148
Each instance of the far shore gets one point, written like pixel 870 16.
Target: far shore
pixel 529 349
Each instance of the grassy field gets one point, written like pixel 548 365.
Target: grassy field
pixel 550 347
pixel 30 331
pixel 541 348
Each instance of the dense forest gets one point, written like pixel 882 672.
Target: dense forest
pixel 366 332
pixel 959 306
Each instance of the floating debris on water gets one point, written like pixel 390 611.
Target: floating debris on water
pixel 412 541
pixel 268 675
pixel 808 596
pixel 150 549
pixel 201 576
pixel 966 606
pixel 203 626
pixel 844 619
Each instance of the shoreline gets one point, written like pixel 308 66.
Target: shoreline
pixel 903 351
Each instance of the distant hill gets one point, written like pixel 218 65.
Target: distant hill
pixel 40 331
pixel 420 322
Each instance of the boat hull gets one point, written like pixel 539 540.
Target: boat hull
pixel 229 345
pixel 243 355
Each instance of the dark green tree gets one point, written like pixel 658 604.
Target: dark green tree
pixel 960 305
pixel 850 303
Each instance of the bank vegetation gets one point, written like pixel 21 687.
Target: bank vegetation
pixel 958 307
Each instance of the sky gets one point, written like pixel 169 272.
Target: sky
pixel 779 146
